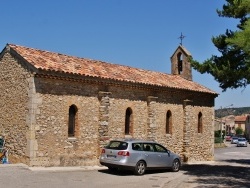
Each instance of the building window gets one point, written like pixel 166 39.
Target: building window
pixel 128 121
pixel 72 120
pixel 200 123
pixel 169 122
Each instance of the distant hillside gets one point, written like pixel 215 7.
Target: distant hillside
pixel 231 111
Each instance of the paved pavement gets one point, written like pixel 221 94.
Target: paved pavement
pixel 231 169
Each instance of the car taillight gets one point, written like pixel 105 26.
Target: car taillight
pixel 103 150
pixel 123 153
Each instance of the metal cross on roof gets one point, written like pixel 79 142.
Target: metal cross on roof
pixel 181 37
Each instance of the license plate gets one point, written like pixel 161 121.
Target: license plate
pixel 111 156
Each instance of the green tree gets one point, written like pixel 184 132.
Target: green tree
pixel 239 131
pixel 217 133
pixel 232 68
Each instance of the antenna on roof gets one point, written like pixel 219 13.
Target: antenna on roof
pixel 181 37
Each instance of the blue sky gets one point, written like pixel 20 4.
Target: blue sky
pixel 137 33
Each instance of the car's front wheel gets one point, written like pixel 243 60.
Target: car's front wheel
pixel 176 165
pixel 140 168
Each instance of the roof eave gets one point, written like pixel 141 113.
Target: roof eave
pixel 6 49
pixel 74 76
pixel 13 52
pixel 184 50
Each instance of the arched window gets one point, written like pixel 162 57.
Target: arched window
pixel 200 122
pixel 72 120
pixel 128 121
pixel 169 122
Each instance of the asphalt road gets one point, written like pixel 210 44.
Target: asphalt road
pixel 231 168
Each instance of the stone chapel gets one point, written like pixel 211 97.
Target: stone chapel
pixel 59 110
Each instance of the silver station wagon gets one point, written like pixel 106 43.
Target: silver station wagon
pixel 138 156
pixel 242 142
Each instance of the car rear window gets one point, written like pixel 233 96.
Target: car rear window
pixel 117 145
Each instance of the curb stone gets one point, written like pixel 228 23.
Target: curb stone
pixel 68 168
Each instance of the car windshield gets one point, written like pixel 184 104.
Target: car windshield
pixel 234 138
pixel 117 145
pixel 241 139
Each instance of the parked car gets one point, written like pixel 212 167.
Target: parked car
pixel 138 156
pixel 242 142
pixel 228 138
pixel 234 140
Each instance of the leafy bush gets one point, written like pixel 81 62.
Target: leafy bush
pixel 218 140
pixel 216 133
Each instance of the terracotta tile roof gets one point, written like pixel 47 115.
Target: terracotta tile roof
pixel 51 61
pixel 240 118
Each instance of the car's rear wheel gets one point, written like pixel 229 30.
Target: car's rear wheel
pixel 176 165
pixel 140 168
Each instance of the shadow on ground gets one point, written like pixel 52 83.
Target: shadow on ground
pixel 236 174
pixel 130 173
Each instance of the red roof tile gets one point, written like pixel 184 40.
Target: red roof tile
pixel 51 61
pixel 240 118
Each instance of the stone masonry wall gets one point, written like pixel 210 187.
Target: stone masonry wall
pixel 55 148
pixel 14 85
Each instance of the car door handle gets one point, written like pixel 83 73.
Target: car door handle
pixel 146 155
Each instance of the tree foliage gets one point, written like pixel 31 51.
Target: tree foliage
pixel 232 68
pixel 239 131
